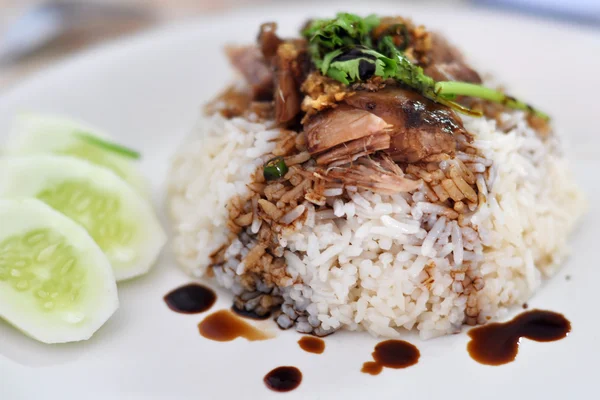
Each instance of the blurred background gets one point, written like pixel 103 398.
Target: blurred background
pixel 34 34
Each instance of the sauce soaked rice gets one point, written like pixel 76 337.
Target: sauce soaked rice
pixel 347 265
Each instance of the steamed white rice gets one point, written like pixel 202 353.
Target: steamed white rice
pixel 385 263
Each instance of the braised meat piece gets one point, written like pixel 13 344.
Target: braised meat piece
pixel 442 51
pixel 453 71
pixel 377 173
pixel 268 41
pixel 446 62
pixel 233 102
pixel 289 73
pixel 350 151
pixel 249 61
pixel 419 127
pixel 340 125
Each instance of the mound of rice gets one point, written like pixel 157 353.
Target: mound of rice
pixel 384 263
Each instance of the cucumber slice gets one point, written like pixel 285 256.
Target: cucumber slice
pixel 117 217
pixel 56 284
pixel 39 134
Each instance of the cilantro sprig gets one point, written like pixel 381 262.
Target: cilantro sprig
pixel 344 30
pixel 344 49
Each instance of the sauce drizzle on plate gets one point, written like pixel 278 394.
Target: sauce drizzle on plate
pixel 498 343
pixel 190 299
pixel 312 344
pixel 225 326
pixel 391 354
pixel 283 379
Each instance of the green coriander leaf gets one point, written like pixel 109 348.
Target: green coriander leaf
pixel 371 22
pixel 327 60
pixel 356 64
pixel 349 68
pixel 338 75
pixel 344 30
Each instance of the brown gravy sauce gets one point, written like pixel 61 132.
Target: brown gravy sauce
pixel 190 299
pixel 391 354
pixel 498 343
pixel 225 326
pixel 312 344
pixel 283 379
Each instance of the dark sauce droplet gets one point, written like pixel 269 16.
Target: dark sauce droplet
pixel 249 314
pixel 283 379
pixel 190 299
pixel 371 368
pixel 498 343
pixel 366 69
pixel 353 54
pixel 225 326
pixel 312 344
pixel 392 354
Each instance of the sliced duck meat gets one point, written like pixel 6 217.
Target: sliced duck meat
pixel 268 41
pixel 340 125
pixel 420 128
pixel 350 151
pixel 453 71
pixel 289 74
pixel 378 173
pixel 447 63
pixel 287 97
pixel 233 102
pixel 249 61
pixel 442 51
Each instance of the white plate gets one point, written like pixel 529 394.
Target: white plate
pixel 148 91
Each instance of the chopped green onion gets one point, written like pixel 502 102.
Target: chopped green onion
pixel 453 89
pixel 275 169
pixel 109 146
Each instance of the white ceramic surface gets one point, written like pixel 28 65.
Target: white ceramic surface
pixel 148 91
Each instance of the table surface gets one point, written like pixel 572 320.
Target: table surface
pixel 166 11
